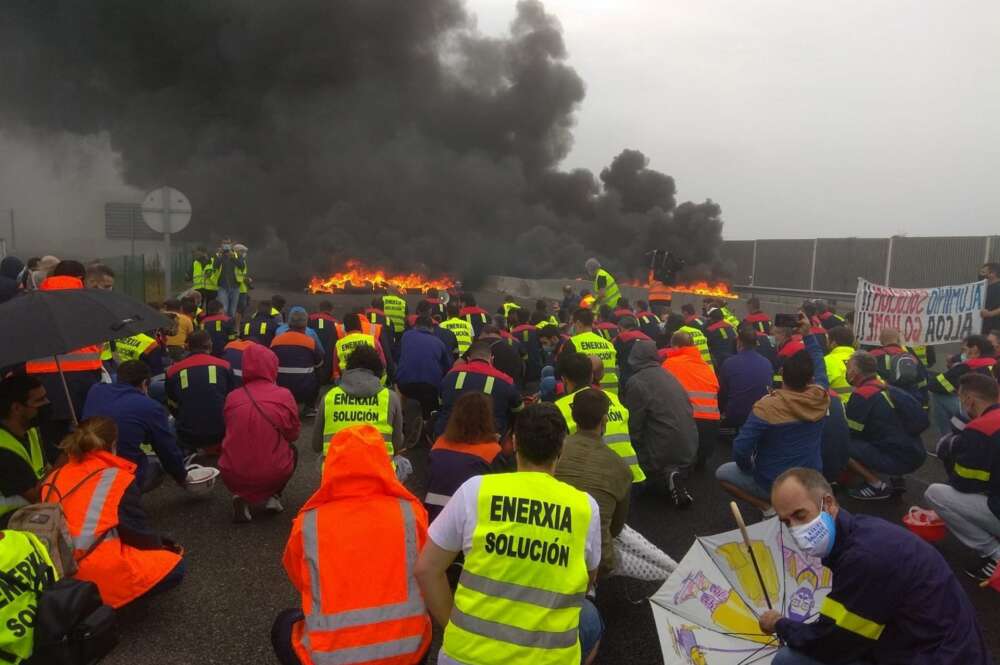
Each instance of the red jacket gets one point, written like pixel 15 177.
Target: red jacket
pixel 257 458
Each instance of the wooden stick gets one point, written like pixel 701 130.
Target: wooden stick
pixel 738 516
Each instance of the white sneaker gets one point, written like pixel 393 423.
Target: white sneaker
pixel 274 505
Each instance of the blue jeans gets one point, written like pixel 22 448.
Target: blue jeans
pixel 591 628
pixel 943 409
pixel 788 656
pixel 731 473
pixel 230 299
pixel 885 460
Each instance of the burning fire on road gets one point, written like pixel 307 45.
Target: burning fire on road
pixel 706 289
pixel 359 278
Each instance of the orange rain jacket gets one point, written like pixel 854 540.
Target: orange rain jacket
pixel 361 532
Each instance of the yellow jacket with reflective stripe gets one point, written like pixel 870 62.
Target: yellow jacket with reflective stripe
pixel 525 578
pixel 344 410
pixel 20 553
pixel 591 344
pixel 612 294
pixel 616 435
pixel 836 371
pixel 462 330
pixel 32 456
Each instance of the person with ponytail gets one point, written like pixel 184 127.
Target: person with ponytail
pixel 114 546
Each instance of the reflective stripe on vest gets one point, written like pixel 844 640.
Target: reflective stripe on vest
pixel 296 370
pixel 612 294
pixel 519 597
pixel 316 620
pixel 343 410
pixel 32 456
pixel 88 532
pixel 616 436
pixel 704 403
pixel 972 474
pixel 84 359
pixel 348 343
pixel 487 385
pixel 463 332
pixel 850 621
pixel 592 344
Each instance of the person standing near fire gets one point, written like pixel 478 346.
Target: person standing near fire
pixel 606 291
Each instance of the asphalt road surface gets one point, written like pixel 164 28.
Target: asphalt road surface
pixel 235 586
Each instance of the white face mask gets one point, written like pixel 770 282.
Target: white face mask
pixel 816 537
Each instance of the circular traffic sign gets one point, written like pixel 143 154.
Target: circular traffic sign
pixel 166 210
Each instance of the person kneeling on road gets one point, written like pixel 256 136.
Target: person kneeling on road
pixel 784 430
pixel 885 423
pixel 969 503
pixel 101 499
pixel 894 598
pixel 361 524
pixel 532 547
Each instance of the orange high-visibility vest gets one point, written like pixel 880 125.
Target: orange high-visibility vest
pixel 122 573
pixel 361 524
pixel 698 379
pixel 84 359
pixel 369 328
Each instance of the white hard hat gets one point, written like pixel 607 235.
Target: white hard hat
pixel 200 479
pixel 240 247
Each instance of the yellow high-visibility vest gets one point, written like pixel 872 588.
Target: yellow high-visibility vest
pixel 343 410
pixel 525 579
pixel 616 435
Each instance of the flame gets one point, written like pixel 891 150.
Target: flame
pixel 702 288
pixel 357 275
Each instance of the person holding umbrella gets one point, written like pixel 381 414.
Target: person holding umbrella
pixel 894 597
pixel 69 376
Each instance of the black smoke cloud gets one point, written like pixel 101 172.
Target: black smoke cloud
pixel 384 130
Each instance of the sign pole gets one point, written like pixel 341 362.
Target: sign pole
pixel 168 266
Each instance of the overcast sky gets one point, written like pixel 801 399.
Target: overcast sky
pixel 856 117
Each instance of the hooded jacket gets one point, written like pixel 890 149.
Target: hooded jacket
pixel 661 422
pixel 785 428
pixel 257 457
pixel 361 382
pixel 356 516
pixel 10 273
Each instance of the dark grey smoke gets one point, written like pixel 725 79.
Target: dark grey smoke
pixel 386 130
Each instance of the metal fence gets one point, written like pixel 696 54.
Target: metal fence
pixel 143 278
pixel 833 265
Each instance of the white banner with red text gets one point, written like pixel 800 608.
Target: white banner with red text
pixel 923 317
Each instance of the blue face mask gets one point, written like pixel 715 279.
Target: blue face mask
pixel 816 538
pixel 964 357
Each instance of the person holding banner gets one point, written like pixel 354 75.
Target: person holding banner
pixel 991 308
pixel 977 356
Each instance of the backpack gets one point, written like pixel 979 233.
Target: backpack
pixel 904 370
pixel 47 522
pixel 72 624
pixel 911 414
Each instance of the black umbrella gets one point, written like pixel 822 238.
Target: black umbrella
pixel 41 324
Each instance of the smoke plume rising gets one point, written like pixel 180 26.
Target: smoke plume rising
pixel 383 130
